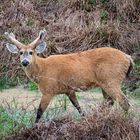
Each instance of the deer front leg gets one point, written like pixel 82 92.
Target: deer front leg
pixel 45 100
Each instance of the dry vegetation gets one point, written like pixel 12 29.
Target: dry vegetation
pixel 72 25
pixel 103 124
pixel 63 122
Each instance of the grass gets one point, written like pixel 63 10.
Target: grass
pixel 13 118
pixel 6 83
pixel 32 86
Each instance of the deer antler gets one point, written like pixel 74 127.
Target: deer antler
pixel 39 39
pixel 12 38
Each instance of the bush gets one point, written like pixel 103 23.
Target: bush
pixel 102 124
pixel 72 26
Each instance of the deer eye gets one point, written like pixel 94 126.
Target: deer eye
pixel 30 53
pixel 21 53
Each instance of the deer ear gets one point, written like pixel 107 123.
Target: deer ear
pixel 41 47
pixel 12 48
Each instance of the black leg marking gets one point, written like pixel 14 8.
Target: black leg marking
pixel 39 114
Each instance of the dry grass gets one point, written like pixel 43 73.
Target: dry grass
pixel 18 110
pixel 102 124
pixel 72 25
pixel 23 98
pixel 29 100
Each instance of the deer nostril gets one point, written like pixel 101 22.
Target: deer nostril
pixel 25 63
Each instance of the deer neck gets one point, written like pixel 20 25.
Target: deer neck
pixel 34 70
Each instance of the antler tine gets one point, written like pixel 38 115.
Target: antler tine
pixel 12 38
pixel 39 39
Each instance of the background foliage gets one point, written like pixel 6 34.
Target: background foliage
pixel 72 25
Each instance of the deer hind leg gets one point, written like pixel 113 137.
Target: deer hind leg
pixel 45 100
pixel 107 98
pixel 115 93
pixel 74 101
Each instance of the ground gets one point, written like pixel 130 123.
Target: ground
pixel 30 99
pixel 18 107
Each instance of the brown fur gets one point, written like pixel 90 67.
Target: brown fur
pixel 102 67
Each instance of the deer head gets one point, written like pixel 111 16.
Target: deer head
pixel 27 52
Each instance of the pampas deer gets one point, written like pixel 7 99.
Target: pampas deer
pixel 64 74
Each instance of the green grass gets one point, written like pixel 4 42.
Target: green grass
pixel 103 14
pixel 13 118
pixel 32 86
pixel 6 83
pixel 30 22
